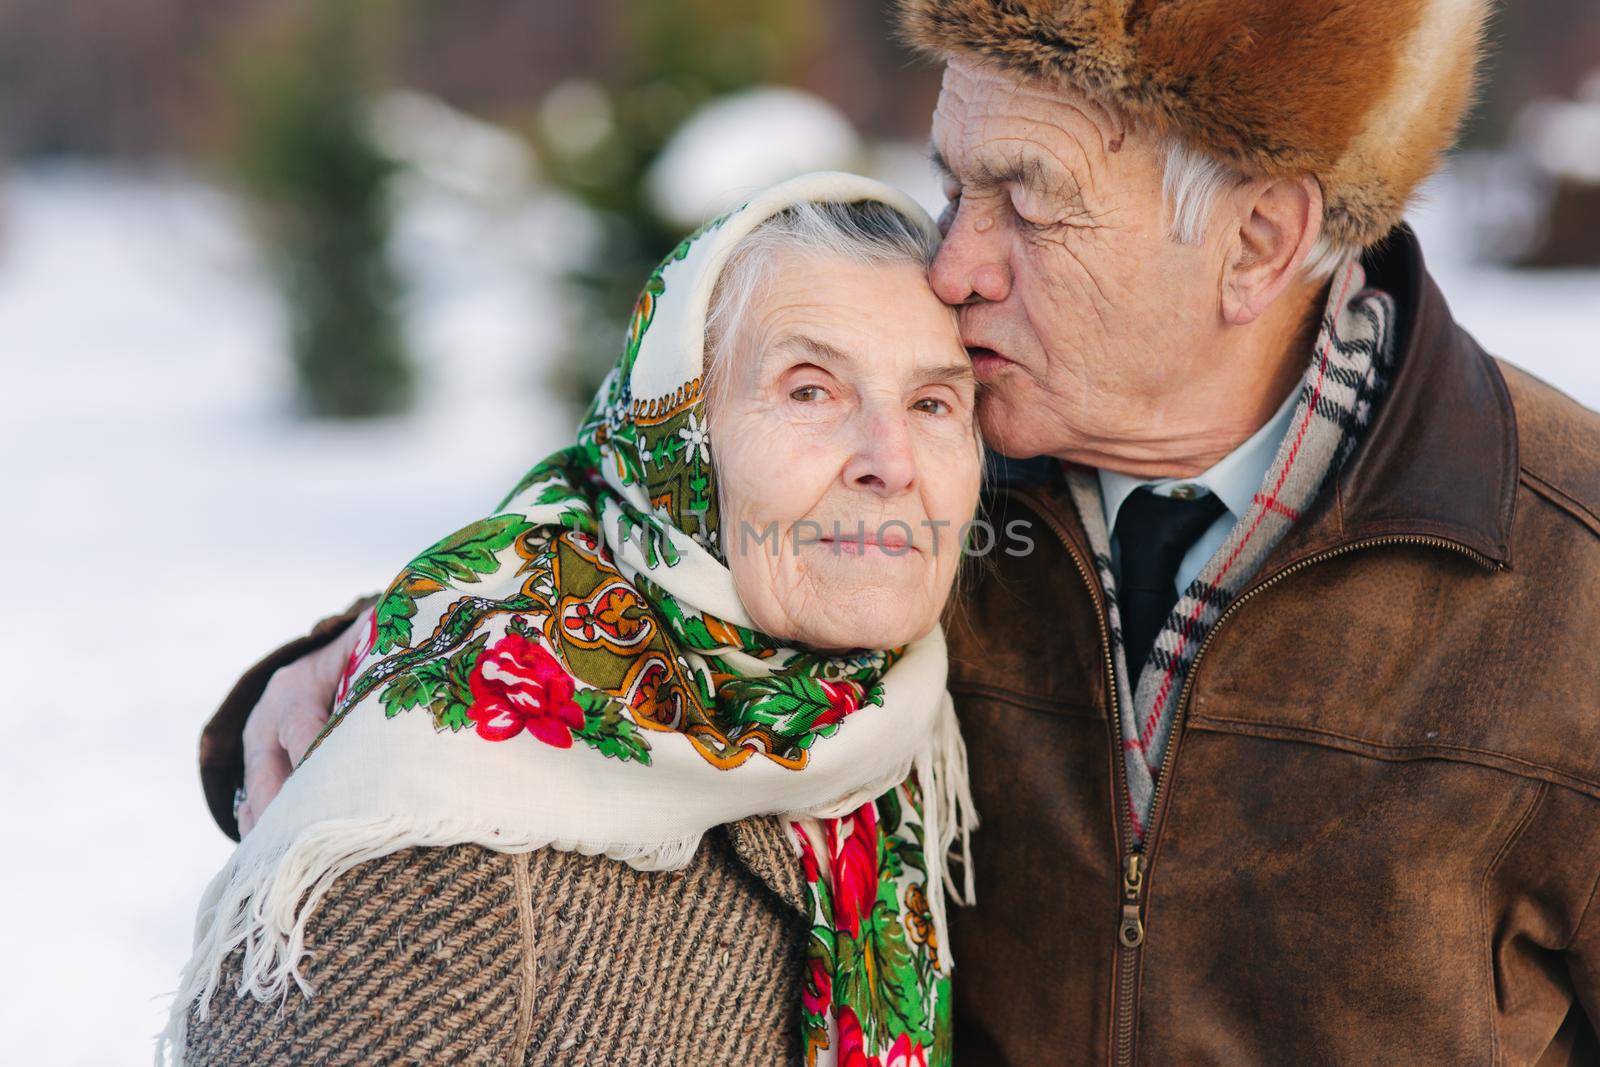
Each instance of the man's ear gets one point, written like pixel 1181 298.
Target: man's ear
pixel 1279 220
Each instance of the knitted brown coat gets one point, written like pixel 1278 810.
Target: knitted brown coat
pixel 463 955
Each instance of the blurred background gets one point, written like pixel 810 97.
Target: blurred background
pixel 289 288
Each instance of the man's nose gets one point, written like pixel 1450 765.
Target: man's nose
pixel 972 264
pixel 883 462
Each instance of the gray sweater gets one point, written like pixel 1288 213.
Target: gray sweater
pixel 463 955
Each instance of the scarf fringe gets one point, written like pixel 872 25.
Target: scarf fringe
pixel 265 895
pixel 948 817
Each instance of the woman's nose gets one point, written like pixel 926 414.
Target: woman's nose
pixel 972 264
pixel 883 462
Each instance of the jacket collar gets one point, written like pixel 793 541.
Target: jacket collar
pixel 1439 459
pixel 1440 456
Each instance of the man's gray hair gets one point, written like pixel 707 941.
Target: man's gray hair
pixel 866 231
pixel 1192 180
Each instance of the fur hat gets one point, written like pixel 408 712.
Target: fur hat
pixel 1364 94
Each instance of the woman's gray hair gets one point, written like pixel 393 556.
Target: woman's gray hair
pixel 865 231
pixel 1192 180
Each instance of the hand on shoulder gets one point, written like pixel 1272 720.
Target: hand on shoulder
pixel 291 712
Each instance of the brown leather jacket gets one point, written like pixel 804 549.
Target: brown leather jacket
pixel 1377 838
pixel 1378 834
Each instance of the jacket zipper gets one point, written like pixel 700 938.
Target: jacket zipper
pixel 1130 929
pixel 1134 863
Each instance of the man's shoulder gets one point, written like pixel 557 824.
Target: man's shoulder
pixel 1558 446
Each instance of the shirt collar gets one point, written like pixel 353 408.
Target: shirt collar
pixel 1234 478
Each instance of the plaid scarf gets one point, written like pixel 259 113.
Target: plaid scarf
pixel 1349 370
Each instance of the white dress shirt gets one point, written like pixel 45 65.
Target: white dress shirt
pixel 1235 479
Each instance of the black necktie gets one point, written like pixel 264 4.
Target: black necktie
pixel 1153 534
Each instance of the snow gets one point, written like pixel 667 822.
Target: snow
pixel 741 143
pixel 1545 321
pixel 168 519
pixel 450 148
pixel 1564 135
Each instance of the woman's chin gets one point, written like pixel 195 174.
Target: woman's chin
pixel 831 603
pixel 868 621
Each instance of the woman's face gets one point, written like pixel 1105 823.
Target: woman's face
pixel 846 453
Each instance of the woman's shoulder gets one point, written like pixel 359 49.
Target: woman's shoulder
pixel 417 951
pixel 473 955
pixel 750 858
pixel 715 933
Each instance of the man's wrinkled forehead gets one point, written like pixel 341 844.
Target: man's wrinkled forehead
pixel 989 120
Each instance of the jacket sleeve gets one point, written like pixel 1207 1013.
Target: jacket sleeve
pixel 222 740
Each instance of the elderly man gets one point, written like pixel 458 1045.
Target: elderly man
pixel 1286 734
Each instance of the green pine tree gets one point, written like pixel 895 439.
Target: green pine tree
pixel 308 157
pixel 675 56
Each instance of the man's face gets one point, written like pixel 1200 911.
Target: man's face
pixel 1084 319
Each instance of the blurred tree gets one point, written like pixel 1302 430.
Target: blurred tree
pixel 598 141
pixel 307 155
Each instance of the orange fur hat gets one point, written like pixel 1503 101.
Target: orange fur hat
pixel 1364 94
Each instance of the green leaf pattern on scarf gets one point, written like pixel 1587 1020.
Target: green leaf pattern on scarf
pixel 535 619
pixel 873 988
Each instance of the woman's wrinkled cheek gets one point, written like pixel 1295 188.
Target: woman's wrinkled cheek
pixel 951 497
pixel 770 482
pixel 771 476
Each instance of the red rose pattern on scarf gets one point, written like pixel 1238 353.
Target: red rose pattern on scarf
pixel 873 995
pixel 517 685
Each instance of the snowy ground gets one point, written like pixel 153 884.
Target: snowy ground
pixel 167 520
pixel 1545 321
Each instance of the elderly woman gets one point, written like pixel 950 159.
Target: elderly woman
pixel 654 764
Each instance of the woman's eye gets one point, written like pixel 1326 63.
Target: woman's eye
pixel 807 394
pixel 931 406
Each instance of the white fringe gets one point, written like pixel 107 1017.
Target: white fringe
pixel 948 815
pixel 264 896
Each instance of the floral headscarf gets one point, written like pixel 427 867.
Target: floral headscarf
pixel 576 671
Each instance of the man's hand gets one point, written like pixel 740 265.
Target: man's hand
pixel 291 712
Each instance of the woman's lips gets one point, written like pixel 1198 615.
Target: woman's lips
pixel 884 546
pixel 986 362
